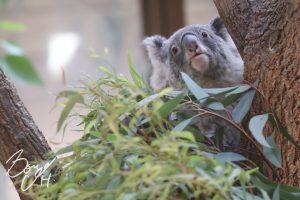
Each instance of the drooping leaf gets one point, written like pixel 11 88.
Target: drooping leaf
pixel 245 196
pixel 199 92
pixel 173 93
pixel 231 99
pixel 229 157
pixel 243 106
pixel 95 134
pixel 147 100
pixel 239 89
pixel 219 90
pixel 11 48
pixel 168 107
pixel 216 105
pixel 286 191
pixel 232 96
pixel 77 98
pixel 195 89
pixel 3 2
pixel 111 137
pixel 276 193
pixel 66 94
pixel 185 135
pixel 136 77
pixel 256 126
pixel 115 182
pixel 20 68
pixel 78 145
pixel 11 26
pixel 282 130
pixel 273 154
pixel 182 125
pixel 106 71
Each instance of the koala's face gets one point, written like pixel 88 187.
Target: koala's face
pixel 198 49
pixel 205 52
pixel 193 47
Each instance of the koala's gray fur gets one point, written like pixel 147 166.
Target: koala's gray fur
pixel 225 64
pixel 207 54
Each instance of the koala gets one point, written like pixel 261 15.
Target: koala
pixel 208 55
pixel 205 52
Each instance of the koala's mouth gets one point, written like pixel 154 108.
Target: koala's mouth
pixel 193 54
pixel 199 61
pixel 196 54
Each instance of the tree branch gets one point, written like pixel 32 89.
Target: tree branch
pixel 18 131
pixel 267 34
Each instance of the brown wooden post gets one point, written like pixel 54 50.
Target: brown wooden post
pixel 162 16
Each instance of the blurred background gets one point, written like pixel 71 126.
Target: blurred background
pixel 68 40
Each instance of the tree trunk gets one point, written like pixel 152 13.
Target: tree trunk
pixel 18 131
pixel 267 34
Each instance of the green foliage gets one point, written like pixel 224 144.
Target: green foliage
pixel 11 26
pixel 73 98
pixel 20 68
pixel 140 145
pixel 256 126
pixel 13 60
pixel 3 2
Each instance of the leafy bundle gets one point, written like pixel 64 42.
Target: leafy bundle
pixel 143 145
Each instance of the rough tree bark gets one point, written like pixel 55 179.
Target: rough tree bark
pixel 267 34
pixel 18 131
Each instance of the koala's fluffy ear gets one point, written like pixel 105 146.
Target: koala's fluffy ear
pixel 219 28
pixel 154 46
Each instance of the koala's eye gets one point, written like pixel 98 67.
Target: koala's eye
pixel 204 34
pixel 174 50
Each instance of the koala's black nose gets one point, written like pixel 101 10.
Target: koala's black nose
pixel 189 41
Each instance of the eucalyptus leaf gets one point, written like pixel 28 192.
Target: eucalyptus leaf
pixel 106 71
pixel 273 154
pixel 167 108
pixel 128 196
pixel 256 126
pixel 185 135
pixel 11 48
pixel 147 100
pixel 231 99
pixel 286 191
pixel 241 194
pixel 239 89
pixel 137 78
pixel 66 94
pixel 243 106
pixel 77 98
pixel 282 130
pixel 3 2
pixel 196 90
pixel 12 26
pixel 229 157
pixel 20 68
pixel 217 91
pixel 81 144
pixel 216 106
pixel 276 193
pixel 182 125
pixel 200 93
pixel 232 96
